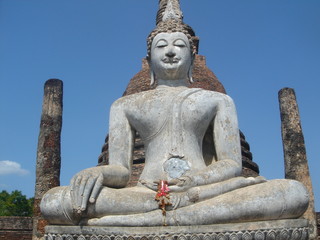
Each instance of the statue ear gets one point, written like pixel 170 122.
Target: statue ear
pixel 152 77
pixel 190 69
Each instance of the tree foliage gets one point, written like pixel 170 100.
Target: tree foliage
pixel 15 204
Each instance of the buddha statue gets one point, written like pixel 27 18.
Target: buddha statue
pixel 195 186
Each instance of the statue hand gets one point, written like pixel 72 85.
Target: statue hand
pixel 181 184
pixel 151 185
pixel 85 187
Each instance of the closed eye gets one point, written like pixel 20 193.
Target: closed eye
pixel 161 44
pixel 180 43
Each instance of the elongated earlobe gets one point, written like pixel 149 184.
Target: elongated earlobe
pixel 190 75
pixel 190 70
pixel 151 78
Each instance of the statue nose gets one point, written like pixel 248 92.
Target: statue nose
pixel 170 53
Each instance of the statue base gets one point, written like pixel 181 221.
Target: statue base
pixel 295 229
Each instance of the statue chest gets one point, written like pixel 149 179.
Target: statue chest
pixel 186 111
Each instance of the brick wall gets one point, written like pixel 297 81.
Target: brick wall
pixel 15 228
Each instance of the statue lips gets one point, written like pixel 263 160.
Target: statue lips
pixel 171 60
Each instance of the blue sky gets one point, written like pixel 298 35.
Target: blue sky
pixel 255 47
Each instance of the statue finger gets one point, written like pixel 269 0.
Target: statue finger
pixel 151 185
pixel 175 201
pixel 175 188
pixel 72 190
pixel 76 191
pixel 173 182
pixel 184 180
pixel 83 186
pixel 96 189
pixel 86 193
pixel 177 182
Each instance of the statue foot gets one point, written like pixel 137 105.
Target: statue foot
pixel 153 218
pixel 256 180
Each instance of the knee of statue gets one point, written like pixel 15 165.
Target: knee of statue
pixel 57 208
pixel 293 196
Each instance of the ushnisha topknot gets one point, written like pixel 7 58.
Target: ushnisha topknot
pixel 170 19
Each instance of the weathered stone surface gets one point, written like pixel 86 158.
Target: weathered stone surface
pixel 296 164
pixel 48 154
pixel 268 230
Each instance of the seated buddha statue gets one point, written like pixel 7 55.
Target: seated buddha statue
pixel 172 120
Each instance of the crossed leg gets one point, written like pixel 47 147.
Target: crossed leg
pixel 276 199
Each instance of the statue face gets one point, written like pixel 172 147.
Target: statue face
pixel 171 58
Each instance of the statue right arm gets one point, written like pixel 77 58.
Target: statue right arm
pixel 86 185
pixel 121 136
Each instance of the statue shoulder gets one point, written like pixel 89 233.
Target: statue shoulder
pixel 214 94
pixel 130 101
pixel 124 100
pixel 120 104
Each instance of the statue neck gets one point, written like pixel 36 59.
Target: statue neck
pixel 172 83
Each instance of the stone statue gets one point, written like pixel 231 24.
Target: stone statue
pixel 198 185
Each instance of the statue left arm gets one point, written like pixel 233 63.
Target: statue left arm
pixel 228 150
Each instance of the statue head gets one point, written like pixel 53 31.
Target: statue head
pixel 171 26
pixel 169 43
pixel 171 57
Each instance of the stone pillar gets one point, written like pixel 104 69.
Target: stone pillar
pixel 296 164
pixel 48 154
